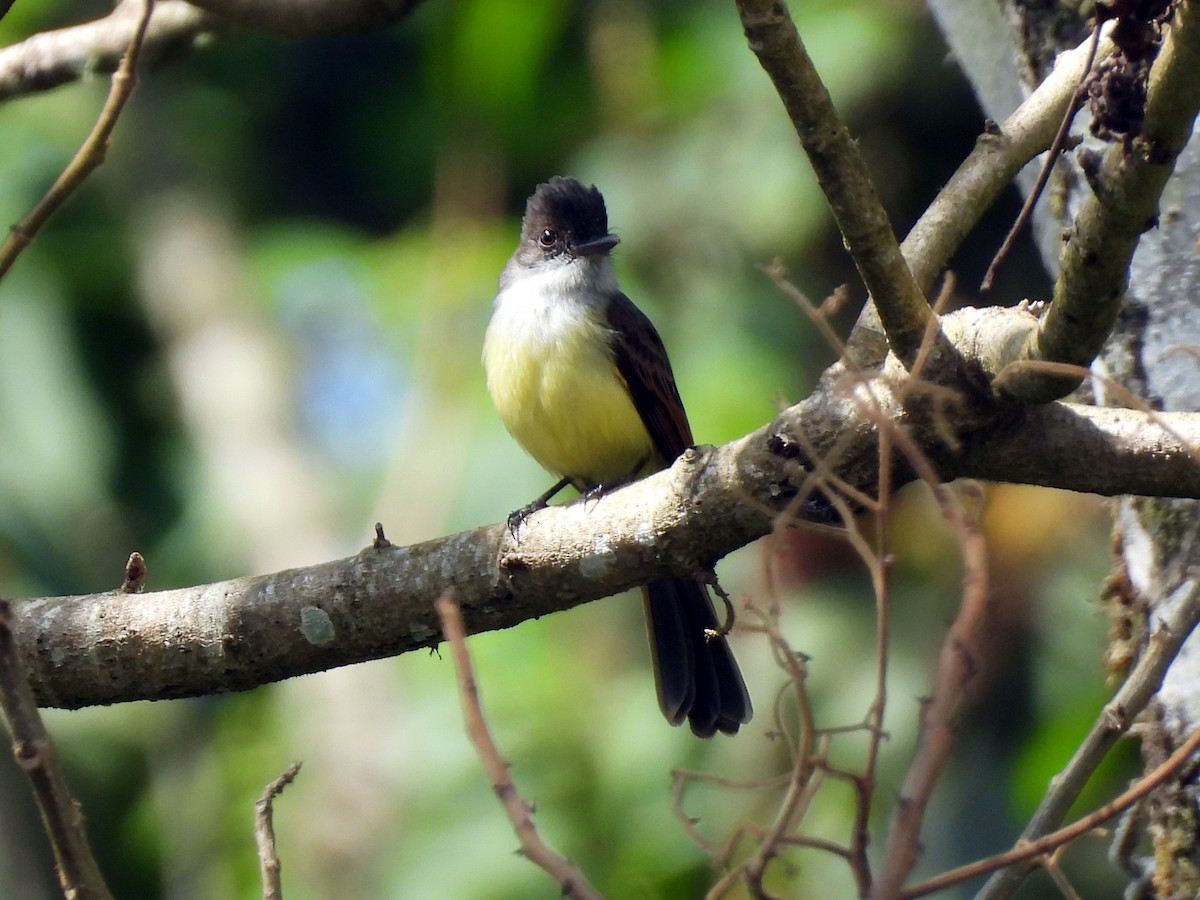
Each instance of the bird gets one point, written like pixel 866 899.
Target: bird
pixel 581 379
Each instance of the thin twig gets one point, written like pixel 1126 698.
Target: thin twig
pixel 89 156
pixel 1114 720
pixel 62 817
pixel 999 154
pixel 264 832
pixel 956 670
pixel 798 795
pixel 881 584
pixel 1049 843
pixel 1056 146
pixel 520 813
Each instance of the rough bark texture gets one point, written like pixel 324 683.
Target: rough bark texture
pixel 1153 354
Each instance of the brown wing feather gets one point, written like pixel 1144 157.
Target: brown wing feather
pixel 642 361
pixel 697 677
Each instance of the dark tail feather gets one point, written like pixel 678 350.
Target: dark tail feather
pixel 671 651
pixel 697 678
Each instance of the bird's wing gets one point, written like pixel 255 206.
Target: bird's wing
pixel 642 362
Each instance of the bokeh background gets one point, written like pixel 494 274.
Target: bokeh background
pixel 256 331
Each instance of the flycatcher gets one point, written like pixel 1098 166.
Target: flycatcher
pixel 581 379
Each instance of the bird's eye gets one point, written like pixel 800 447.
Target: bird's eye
pixel 548 238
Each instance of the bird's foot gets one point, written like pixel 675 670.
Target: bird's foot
pixel 597 491
pixel 517 518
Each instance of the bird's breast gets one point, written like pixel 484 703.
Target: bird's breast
pixel 553 380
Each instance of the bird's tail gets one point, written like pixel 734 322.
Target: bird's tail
pixel 696 676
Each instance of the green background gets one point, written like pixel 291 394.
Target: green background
pixel 256 331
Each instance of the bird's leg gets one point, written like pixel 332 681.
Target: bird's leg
pixel 598 490
pixel 517 518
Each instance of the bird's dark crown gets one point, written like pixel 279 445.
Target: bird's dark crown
pixel 567 207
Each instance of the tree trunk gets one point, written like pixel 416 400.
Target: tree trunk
pixel 1152 354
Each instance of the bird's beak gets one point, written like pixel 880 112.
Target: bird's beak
pixel 596 246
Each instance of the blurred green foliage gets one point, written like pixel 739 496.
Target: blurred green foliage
pixel 256 331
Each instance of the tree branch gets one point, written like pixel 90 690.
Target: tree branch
pixel 90 155
pixel 1128 451
pixel 841 172
pixel 1126 190
pixel 520 812
pixel 1114 720
pixel 78 873
pixel 235 635
pixel 998 156
pixel 47 60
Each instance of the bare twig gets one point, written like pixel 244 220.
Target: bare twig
pixel 1114 720
pixel 1056 146
pixel 800 784
pixel 997 158
pixel 1047 844
pixel 879 564
pixel 264 832
pixel 62 816
pixel 381 542
pixel 800 787
pixel 956 670
pixel 520 813
pixel 89 156
pixel 956 665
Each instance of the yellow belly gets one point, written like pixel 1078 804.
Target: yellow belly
pixel 558 392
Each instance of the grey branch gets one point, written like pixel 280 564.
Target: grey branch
pixel 52 58
pixel 989 169
pixel 1095 262
pixel 235 635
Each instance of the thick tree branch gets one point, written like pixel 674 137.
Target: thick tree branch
pixel 1127 451
pixel 234 635
pixel 1095 262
